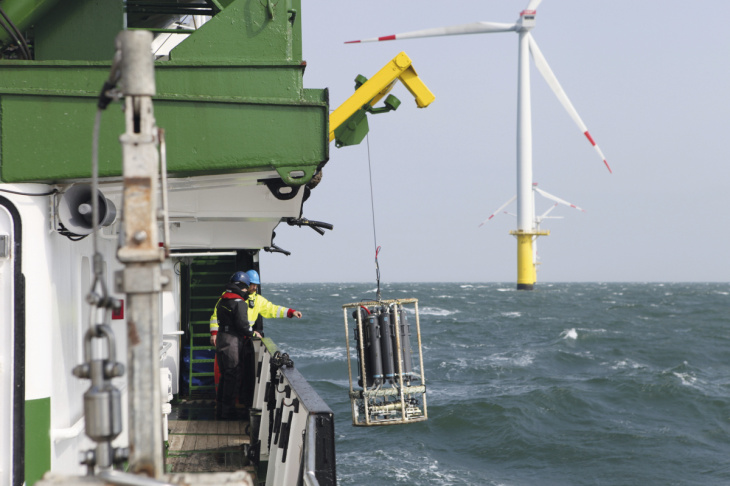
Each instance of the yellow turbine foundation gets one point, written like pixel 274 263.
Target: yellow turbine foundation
pixel 526 270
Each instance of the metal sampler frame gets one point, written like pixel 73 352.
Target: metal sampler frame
pixel 385 404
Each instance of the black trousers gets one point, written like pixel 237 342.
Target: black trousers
pixel 237 363
pixel 249 374
pixel 229 351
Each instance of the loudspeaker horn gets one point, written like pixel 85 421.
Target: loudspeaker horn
pixel 75 209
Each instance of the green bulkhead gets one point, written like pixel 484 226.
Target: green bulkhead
pixel 230 97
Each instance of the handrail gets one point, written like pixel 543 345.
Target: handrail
pixel 309 478
pixel 270 345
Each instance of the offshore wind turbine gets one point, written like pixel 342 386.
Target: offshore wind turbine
pixel 526 231
pixel 538 219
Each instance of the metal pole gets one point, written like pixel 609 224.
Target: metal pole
pixel 362 363
pixel 399 356
pixel 353 401
pixel 525 204
pixel 142 278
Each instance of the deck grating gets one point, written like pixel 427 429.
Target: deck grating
pixel 199 443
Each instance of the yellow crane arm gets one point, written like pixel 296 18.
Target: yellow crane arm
pixel 374 89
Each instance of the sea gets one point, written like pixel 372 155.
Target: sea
pixel 568 384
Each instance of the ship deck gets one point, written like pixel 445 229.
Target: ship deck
pixel 198 442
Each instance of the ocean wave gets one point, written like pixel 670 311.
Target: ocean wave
pixel 329 354
pixel 450 395
pixel 625 364
pixel 479 364
pixel 519 360
pixel 340 384
pixel 456 363
pixel 435 311
pixel 405 467
pixel 569 334
pixel 512 398
pixel 687 375
pixel 686 379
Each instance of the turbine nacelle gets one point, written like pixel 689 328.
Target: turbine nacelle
pixel 527 17
pixel 526 21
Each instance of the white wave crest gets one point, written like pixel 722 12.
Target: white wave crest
pixel 686 379
pixel 435 311
pixel 405 467
pixel 569 334
pixel 519 361
pixel 329 354
pixel 627 364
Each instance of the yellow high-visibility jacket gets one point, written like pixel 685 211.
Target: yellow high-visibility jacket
pixel 261 306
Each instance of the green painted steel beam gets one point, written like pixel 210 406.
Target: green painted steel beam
pixel 219 118
pixel 230 100
pixel 214 81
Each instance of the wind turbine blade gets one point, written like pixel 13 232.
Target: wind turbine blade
pixel 552 81
pixel 473 28
pixel 556 199
pixel 544 215
pixel 533 5
pixel 498 210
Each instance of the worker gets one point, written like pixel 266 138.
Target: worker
pixel 231 333
pixel 258 306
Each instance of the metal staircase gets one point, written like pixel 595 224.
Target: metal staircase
pixel 206 277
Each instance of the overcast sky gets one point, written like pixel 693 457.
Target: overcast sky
pixel 651 81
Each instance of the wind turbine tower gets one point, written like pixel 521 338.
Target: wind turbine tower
pixel 526 231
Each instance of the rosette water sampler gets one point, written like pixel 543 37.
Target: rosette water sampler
pixel 390 387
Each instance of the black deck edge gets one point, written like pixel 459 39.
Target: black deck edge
pixel 18 447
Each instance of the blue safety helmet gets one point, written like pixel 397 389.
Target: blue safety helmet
pixel 253 275
pixel 240 279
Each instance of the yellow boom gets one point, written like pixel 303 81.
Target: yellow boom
pixel 372 91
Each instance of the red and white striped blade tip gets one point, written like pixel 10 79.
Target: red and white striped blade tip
pixel 374 39
pixel 471 28
pixel 600 153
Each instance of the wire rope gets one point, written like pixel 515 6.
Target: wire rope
pixel 372 208
pixel 95 176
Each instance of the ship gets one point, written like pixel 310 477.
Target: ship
pixel 135 178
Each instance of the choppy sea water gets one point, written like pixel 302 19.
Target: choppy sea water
pixel 570 384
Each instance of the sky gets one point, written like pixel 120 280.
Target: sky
pixel 649 79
